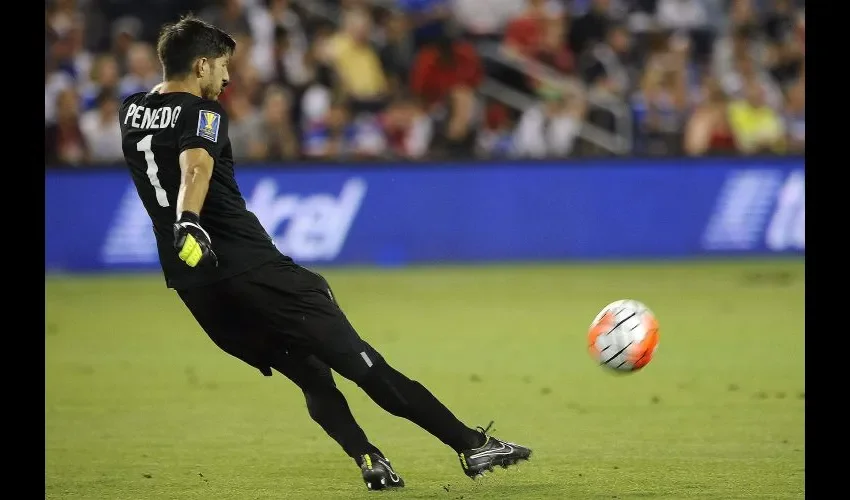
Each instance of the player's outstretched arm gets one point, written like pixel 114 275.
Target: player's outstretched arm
pixel 191 241
pixel 196 166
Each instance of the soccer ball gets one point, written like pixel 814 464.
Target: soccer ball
pixel 623 336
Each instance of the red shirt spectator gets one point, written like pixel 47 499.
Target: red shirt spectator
pixel 64 142
pixel 407 129
pixel 440 67
pixel 552 51
pixel 525 33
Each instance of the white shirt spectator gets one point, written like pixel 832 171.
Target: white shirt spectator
pixel 486 16
pixel 263 24
pixel 733 85
pixel 103 136
pixel 243 133
pixel 722 57
pixel 534 138
pixel 315 103
pixel 53 86
pixel 368 137
pixel 681 14
pixel 143 70
pixel 419 137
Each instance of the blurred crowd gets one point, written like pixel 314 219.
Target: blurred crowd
pixel 449 79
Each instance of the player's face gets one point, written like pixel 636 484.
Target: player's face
pixel 216 78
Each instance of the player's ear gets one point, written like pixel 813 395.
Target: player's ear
pixel 202 67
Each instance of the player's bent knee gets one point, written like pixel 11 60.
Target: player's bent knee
pixel 356 365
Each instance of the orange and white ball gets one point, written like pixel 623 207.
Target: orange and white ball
pixel 623 336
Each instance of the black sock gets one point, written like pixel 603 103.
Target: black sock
pixel 408 399
pixel 330 410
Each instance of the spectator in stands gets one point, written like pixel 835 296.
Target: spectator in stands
pixel 742 44
pixel 79 61
pixel 757 127
pixel 317 98
pixel 243 54
pixel 426 18
pixel 276 131
pixel 457 125
pixel 550 128
pixel 370 62
pixel 100 129
pixel 800 29
pixel 779 21
pixel 332 136
pixel 62 52
pixel 485 19
pixel 707 130
pixel 104 76
pixel 690 19
pixel 745 69
pixel 407 128
pixel 245 79
pixel 244 75
pixel 438 69
pixel 553 50
pixel 126 31
pixel 521 39
pixel 275 23
pixel 245 129
pixel 717 16
pixel 785 57
pixel 788 63
pixel 143 70
pixel 613 57
pixel 60 16
pixel 591 28
pixel 496 137
pixel 603 101
pixel 291 67
pixel 356 63
pixel 64 143
pixel 369 140
pixel 227 15
pixel 795 116
pixel 275 71
pixel 524 33
pixel 661 104
pixel 682 15
pixel 55 81
pixel 536 42
pixel 397 52
pixel 742 13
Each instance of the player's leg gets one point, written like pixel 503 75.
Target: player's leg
pixel 328 407
pixel 233 329
pixel 217 310
pixel 229 311
pixel 331 337
pixel 325 403
pixel 399 395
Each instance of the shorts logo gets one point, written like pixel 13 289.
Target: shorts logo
pixel 208 122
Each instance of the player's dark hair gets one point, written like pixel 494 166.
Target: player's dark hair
pixel 187 40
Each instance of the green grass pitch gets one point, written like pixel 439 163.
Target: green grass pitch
pixel 140 404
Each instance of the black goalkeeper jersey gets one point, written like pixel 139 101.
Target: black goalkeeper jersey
pixel 155 129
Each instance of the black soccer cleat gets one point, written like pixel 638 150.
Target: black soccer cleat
pixel 378 474
pixel 494 452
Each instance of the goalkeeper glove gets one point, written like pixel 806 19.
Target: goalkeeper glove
pixel 192 242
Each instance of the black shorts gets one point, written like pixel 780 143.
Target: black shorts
pixel 276 313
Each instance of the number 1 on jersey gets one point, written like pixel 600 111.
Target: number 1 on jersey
pixel 144 146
